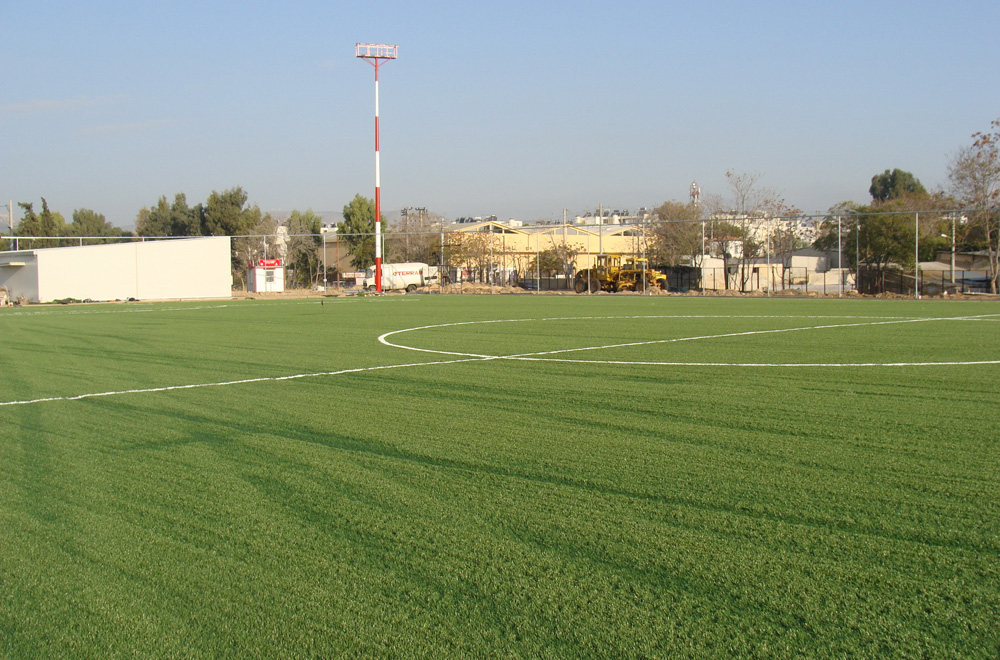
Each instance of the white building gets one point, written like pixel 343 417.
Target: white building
pixel 144 270
pixel 266 276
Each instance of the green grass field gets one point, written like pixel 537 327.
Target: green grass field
pixel 523 476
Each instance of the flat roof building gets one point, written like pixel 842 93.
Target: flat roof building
pixel 141 270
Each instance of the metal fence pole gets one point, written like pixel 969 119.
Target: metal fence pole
pixel 916 262
pixel 538 266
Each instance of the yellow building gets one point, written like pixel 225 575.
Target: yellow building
pixel 482 245
pixel 471 250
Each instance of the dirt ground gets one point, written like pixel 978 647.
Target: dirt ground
pixel 485 289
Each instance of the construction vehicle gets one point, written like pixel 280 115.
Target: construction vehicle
pixel 612 274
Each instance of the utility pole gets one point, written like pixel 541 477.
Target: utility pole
pixel 10 221
pixel 600 230
pixel 421 210
pixel 406 230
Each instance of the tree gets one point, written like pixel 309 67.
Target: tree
pixel 754 205
pixel 301 248
pixel 974 175
pixel 547 262
pixel 883 238
pixel 154 221
pixel 47 224
pixel 225 215
pixel 358 231
pixel 261 243
pixel 894 185
pixel 879 237
pixel 554 260
pixel 473 250
pixel 676 233
pixel 185 220
pixel 164 219
pixel 88 223
pixel 415 237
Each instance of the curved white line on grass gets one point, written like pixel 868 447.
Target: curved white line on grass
pixel 539 356
pixel 244 381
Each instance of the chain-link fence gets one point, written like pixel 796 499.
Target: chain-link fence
pixel 934 253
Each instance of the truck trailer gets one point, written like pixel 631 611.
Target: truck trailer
pixel 402 277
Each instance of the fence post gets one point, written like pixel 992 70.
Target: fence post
pixel 538 267
pixel 916 254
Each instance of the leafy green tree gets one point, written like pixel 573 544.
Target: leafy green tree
pixel 225 215
pixel 895 185
pixel 302 247
pixel 45 224
pixel 185 220
pixel 358 231
pixel 676 233
pixel 154 221
pixel 165 219
pixel 88 223
pixel 554 260
pixel 879 237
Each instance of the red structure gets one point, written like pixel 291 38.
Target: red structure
pixel 375 54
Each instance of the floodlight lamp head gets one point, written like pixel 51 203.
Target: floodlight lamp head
pixel 376 51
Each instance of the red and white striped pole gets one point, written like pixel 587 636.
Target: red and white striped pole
pixel 374 54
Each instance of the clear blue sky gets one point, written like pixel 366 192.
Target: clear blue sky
pixel 518 109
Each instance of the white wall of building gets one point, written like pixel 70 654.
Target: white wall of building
pixel 19 273
pixel 147 270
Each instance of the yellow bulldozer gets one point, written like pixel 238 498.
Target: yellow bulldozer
pixel 613 274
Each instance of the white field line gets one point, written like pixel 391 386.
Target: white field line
pixel 134 308
pixel 382 338
pixel 539 356
pixel 131 308
pixel 265 379
pixel 740 334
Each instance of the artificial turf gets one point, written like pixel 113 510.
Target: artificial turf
pixel 266 479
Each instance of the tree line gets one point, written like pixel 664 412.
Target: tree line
pixel 225 213
pixel 47 224
pixel 875 235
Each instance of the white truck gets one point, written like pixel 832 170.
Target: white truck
pixel 402 277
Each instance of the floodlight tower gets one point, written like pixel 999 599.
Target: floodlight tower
pixel 376 54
